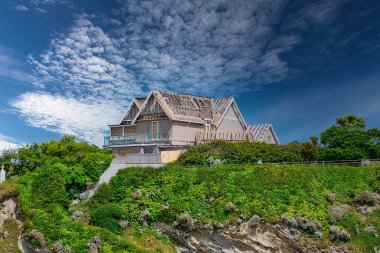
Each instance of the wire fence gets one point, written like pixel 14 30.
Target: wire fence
pixel 354 163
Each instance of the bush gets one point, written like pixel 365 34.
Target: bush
pixel 240 153
pixel 185 222
pixel 48 186
pixel 95 164
pixel 230 207
pixel 108 216
pixel 365 198
pixel 337 234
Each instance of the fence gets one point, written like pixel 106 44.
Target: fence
pixel 139 159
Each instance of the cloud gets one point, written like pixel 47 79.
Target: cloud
pixel 7 143
pixel 212 48
pixel 86 61
pixel 63 115
pixel 21 8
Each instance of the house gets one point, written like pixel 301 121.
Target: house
pixel 164 124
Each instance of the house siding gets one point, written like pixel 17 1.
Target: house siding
pixel 230 123
pixel 184 133
pixel 269 138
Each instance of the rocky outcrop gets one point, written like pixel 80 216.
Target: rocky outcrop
pixel 262 237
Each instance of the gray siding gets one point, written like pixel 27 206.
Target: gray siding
pixel 269 138
pixel 184 133
pixel 230 123
pixel 165 126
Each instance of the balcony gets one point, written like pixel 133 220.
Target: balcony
pixel 137 138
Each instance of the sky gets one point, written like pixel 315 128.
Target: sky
pixel 73 67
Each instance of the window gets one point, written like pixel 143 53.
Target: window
pixel 153 130
pixel 207 126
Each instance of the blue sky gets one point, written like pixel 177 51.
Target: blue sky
pixel 296 64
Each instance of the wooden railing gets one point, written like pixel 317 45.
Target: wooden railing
pixel 203 137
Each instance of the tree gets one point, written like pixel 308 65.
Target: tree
pixel 310 149
pixel 349 140
pixel 351 121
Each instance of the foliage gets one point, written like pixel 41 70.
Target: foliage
pixel 268 191
pixel 52 173
pixel 310 149
pixel 240 153
pixel 8 189
pixel 95 164
pixel 48 186
pixel 9 234
pixel 108 216
pixel 68 151
pixel 351 121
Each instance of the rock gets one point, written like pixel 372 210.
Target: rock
pixel 237 238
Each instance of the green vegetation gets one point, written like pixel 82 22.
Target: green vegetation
pixel 268 191
pixel 348 140
pixel 241 153
pixel 46 178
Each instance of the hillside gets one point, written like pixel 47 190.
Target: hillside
pixel 318 198
pixel 255 208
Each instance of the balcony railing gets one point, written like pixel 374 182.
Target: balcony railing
pixel 137 138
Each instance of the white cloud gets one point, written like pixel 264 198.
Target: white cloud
pixel 21 8
pixel 64 115
pixel 86 61
pixel 7 143
pixel 201 47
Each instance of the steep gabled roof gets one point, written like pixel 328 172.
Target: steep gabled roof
pixel 138 102
pixel 260 131
pixel 189 108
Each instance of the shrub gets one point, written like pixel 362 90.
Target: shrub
pixel 254 221
pixel 330 197
pixel 36 238
pixel 365 198
pixel 239 153
pixel 108 216
pixel 337 212
pixel 48 186
pixel 230 207
pixel 95 164
pixel 185 222
pixel 137 194
pixel 337 234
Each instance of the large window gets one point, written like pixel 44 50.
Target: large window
pixel 154 130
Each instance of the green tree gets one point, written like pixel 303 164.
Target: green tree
pixel 310 149
pixel 349 140
pixel 351 121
